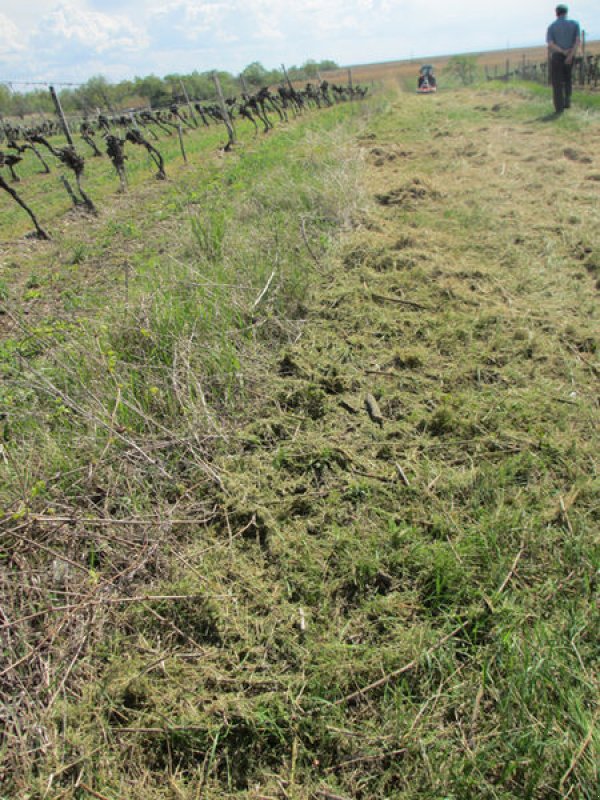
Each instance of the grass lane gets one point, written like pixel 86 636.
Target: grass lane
pixel 270 592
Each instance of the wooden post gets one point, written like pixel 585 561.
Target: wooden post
pixel 287 77
pixel 224 111
pixel 507 68
pixel 188 101
pixel 61 115
pixel 350 79
pixel 180 133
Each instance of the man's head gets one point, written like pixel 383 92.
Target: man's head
pixel 561 10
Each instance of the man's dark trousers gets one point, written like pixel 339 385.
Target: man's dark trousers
pixel 561 75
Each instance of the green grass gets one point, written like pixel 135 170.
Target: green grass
pixel 48 199
pixel 581 99
pixel 198 481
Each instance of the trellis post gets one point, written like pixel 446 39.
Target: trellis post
pixel 287 77
pixel 188 101
pixel 181 145
pixel 224 111
pixel 61 115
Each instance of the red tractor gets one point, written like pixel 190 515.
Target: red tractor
pixel 427 83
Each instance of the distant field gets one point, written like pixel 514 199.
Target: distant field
pixel 394 70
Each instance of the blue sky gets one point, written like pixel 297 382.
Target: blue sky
pixel 71 40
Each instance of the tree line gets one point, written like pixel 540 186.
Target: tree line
pixel 151 90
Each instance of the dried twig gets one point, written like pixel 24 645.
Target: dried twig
pixel 511 572
pixel 580 751
pixel 328 795
pixel 581 357
pixel 406 668
pixel 55 553
pixel 401 474
pixel 166 730
pixel 311 252
pixel 93 792
pixel 122 521
pixel 373 409
pixel 265 289
pixel 363 759
pixel 410 303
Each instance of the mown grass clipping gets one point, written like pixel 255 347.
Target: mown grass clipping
pixel 299 469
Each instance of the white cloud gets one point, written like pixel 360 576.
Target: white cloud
pixel 69 26
pixel 11 40
pixel 72 39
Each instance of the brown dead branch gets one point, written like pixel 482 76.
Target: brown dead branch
pixel 366 759
pixel 409 303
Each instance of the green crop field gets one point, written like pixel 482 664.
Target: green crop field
pixel 299 463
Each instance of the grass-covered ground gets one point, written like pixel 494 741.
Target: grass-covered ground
pixel 299 468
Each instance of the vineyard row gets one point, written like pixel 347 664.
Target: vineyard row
pixel 115 132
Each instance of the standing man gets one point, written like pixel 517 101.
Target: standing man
pixel 563 40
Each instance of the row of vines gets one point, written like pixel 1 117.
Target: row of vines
pixel 69 143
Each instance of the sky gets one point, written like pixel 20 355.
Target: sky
pixel 72 40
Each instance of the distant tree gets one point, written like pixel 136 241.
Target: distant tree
pixel 97 92
pixel 122 90
pixel 327 64
pixel 228 83
pixel 464 68
pixel 173 84
pixel 4 99
pixel 20 105
pixel 69 100
pixel 310 68
pixel 153 89
pixel 41 101
pixel 255 74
